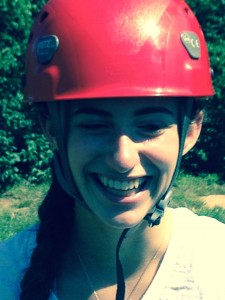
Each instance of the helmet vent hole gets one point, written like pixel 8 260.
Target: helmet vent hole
pixel 30 37
pixel 43 17
pixel 188 12
pixel 186 9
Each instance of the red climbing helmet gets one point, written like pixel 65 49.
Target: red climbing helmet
pixel 95 49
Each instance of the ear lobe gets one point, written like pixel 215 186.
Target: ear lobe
pixel 193 132
pixel 46 126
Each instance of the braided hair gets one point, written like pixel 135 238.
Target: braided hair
pixel 56 216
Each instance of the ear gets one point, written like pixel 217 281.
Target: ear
pixel 47 128
pixel 193 132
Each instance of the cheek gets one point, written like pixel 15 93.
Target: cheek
pixel 163 152
pixel 82 150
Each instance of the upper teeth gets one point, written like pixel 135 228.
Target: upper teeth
pixel 123 185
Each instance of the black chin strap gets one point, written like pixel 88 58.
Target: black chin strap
pixel 120 294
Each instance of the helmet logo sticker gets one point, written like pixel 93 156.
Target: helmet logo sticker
pixel 191 43
pixel 46 48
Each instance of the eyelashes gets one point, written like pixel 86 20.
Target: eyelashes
pixel 149 130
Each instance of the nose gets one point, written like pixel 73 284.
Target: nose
pixel 123 154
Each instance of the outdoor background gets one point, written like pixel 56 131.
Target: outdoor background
pixel 24 152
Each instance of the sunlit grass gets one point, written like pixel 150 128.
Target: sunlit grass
pixel 18 207
pixel 188 190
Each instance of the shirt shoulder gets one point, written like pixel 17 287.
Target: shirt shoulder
pixel 205 233
pixel 204 243
pixel 14 259
pixel 194 264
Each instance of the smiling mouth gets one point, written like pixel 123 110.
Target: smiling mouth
pixel 122 187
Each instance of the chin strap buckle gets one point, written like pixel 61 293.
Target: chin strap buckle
pixel 155 217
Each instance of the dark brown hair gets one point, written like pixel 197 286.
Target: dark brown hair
pixel 56 216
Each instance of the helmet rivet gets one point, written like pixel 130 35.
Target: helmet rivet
pixel 46 48
pixel 191 43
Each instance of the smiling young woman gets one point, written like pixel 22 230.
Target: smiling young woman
pixel 118 86
pixel 120 146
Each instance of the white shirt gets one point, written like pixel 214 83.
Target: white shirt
pixel 193 267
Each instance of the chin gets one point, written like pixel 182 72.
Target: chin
pixel 125 220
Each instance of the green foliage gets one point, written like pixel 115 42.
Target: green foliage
pixel 18 155
pixel 209 154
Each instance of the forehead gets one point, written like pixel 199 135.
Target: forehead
pixel 127 105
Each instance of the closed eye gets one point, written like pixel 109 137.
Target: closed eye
pixel 151 130
pixel 94 127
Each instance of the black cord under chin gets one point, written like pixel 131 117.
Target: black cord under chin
pixel 120 293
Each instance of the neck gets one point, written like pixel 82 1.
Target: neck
pixel 97 242
pixel 91 258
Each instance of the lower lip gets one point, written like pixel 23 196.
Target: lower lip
pixel 134 198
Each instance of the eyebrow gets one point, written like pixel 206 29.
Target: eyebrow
pixel 151 110
pixel 105 113
pixel 92 111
